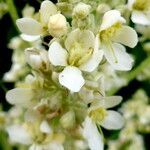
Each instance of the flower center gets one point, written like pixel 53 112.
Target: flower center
pixel 78 55
pixel 98 115
pixel 108 34
pixel 141 5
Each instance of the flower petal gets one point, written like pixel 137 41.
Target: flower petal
pixel 55 146
pixel 84 37
pixel 57 55
pixel 130 4
pixel 93 62
pixel 121 60
pixel 127 36
pixel 140 18
pixel 110 18
pixel 29 26
pixel 112 101
pixel 113 120
pixel 19 134
pixel 92 135
pixel 47 9
pixel 20 96
pixel 36 147
pixel 71 78
pixel 30 38
pixel 45 128
pixel 107 102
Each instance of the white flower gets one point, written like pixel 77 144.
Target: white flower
pixel 106 118
pixel 14 73
pixel 92 135
pixel 20 97
pixel 81 10
pixel 52 146
pixel 19 134
pixel 26 95
pixel 32 28
pixel 44 127
pixel 112 35
pixel 37 59
pixel 80 54
pixel 57 25
pixel 140 11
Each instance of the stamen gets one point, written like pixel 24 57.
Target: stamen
pixel 112 51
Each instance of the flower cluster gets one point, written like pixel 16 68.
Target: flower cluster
pixel 136 113
pixel 75 49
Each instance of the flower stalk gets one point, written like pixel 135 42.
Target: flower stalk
pixel 12 10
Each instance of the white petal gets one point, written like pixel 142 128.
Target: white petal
pixel 140 18
pixel 20 96
pixel 29 26
pixel 127 36
pixel 130 4
pixel 124 60
pixel 36 147
pixel 30 38
pixel 93 62
pixel 112 101
pixel 84 37
pixel 92 135
pixel 113 120
pixel 71 78
pixel 57 55
pixel 47 9
pixel 18 134
pixel 107 102
pixel 55 146
pixel 110 18
pixel 45 128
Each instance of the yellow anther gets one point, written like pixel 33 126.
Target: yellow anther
pixel 78 55
pixel 98 115
pixel 141 5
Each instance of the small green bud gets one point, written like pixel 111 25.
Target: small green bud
pixel 102 8
pixel 68 120
pixel 81 10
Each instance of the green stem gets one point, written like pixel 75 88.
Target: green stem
pixel 3 141
pixel 12 10
pixel 132 75
pixel 3 86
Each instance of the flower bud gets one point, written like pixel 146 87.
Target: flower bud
pixel 57 25
pixel 81 10
pixel 68 120
pixel 37 59
pixel 102 8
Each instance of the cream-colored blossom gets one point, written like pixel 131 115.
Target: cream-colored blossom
pixel 80 55
pixel 48 15
pixel 37 59
pixel 92 135
pixel 113 33
pixel 140 11
pixel 106 118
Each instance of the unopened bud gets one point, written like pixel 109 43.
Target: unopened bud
pixel 102 8
pixel 57 25
pixel 81 10
pixel 37 59
pixel 68 120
